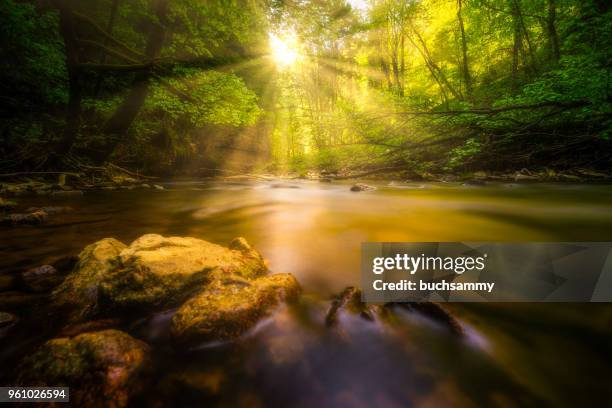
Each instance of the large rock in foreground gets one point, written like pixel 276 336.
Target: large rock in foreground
pixel 153 272
pixel 230 307
pixel 101 368
pixel 80 288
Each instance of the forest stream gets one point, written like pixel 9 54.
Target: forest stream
pixel 507 355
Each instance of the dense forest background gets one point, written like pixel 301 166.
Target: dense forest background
pixel 306 86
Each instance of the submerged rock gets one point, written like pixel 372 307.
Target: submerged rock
pixel 158 187
pixel 34 218
pixel 230 307
pixel 475 183
pixel 101 368
pixel 41 279
pixel 349 301
pixel 362 187
pixel 50 210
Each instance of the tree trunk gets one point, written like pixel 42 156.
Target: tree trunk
pixel 553 37
pixel 117 126
pixel 109 29
pixel 519 14
pixel 75 95
pixel 466 66
pixel 516 43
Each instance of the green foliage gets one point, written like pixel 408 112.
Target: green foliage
pixel 463 155
pixel 31 54
pixel 215 98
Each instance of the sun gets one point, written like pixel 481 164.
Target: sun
pixel 284 49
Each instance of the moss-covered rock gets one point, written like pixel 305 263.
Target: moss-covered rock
pixel 230 307
pixel 41 279
pixel 80 288
pixel 155 271
pixel 152 273
pixel 101 368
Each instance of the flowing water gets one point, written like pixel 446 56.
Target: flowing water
pixel 511 354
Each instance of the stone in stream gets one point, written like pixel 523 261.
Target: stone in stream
pixel 41 279
pixel 34 218
pixel 474 183
pixel 80 289
pixel 153 272
pixel 349 301
pixel 102 369
pixel 362 187
pixel 50 210
pixel 230 307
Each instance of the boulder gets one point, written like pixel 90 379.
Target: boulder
pixel 80 288
pixel 41 279
pixel 362 187
pixel 101 368
pixel 153 272
pixel 230 307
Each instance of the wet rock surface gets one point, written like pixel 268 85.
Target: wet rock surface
pixel 41 279
pixel 349 301
pixel 230 307
pixel 32 218
pixel 80 288
pixel 154 271
pixel 362 187
pixel 102 368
